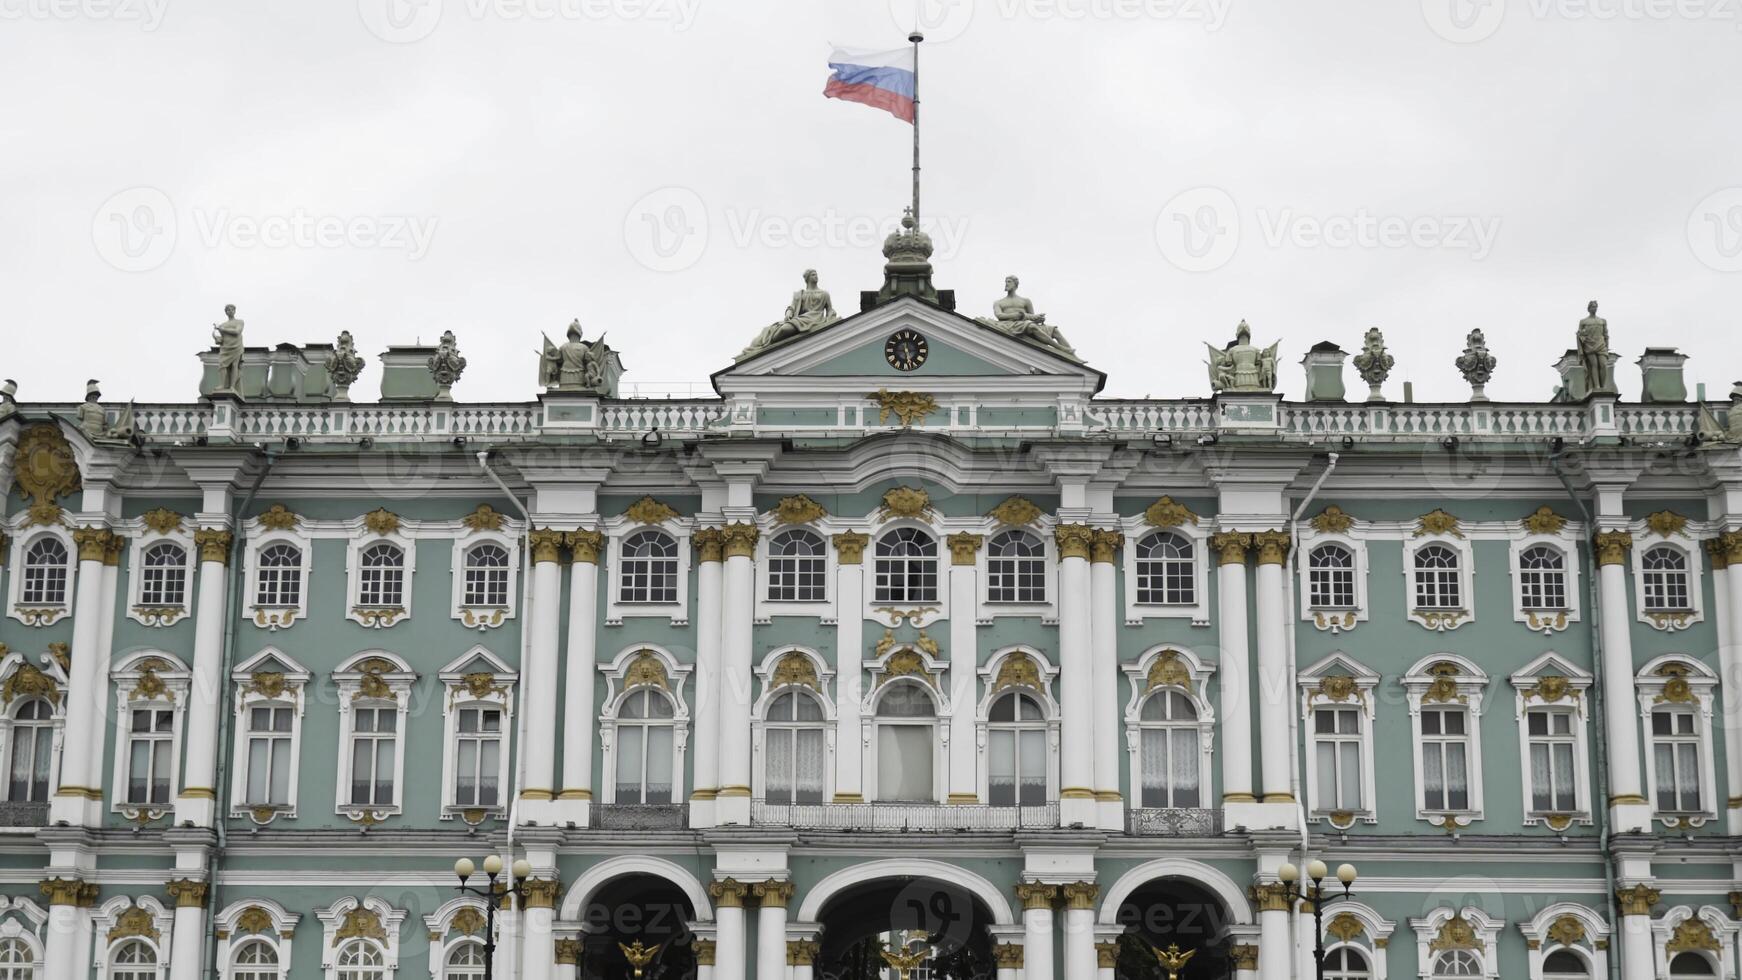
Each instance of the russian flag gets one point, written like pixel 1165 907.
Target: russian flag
pixel 886 80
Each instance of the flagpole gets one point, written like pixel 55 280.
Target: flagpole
pixel 916 37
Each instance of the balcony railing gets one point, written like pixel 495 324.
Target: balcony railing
pixel 641 816
pixel 24 814
pixel 904 816
pixel 1174 822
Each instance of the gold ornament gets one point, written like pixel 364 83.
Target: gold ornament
pixel 909 502
pixel 279 518
pixel 1231 547
pixel 1444 687
pixel 1017 670
pixel 27 681
pixel 795 669
pixel 381 521
pixel 1692 935
pixel 213 544
pixel 1332 520
pixel 799 509
pixel 468 921
pixel 254 919
pixel 964 548
pixel 1544 521
pixel 1612 547
pixel 649 511
pixel 485 518
pixel 1455 933
pixel 1438 522
pixel 739 540
pixel 1169 671
pixel 645 669
pixel 1074 540
pixel 850 547
pixel 1637 900
pixel 908 407
pixel 1166 512
pixel 1666 523
pixel 1345 927
pixel 1015 511
pixel 1566 931
pixel 546 545
pixel 46 470
pixel 360 922
pixel 710 544
pixel 162 520
pixel 1272 547
pixel 584 545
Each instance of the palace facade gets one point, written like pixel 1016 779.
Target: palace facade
pixel 907 635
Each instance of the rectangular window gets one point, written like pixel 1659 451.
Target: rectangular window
pixel 1552 772
pixel 478 757
pixel 904 763
pixel 1337 759
pixel 1676 758
pixel 1445 759
pixel 795 765
pixel 1016 767
pixel 269 735
pixel 1170 767
pixel 374 745
pixel 150 755
pixel 907 580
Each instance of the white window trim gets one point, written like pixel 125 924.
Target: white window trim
pixel 278 935
pixel 383 617
pixel 931 678
pixel 38 614
pixel 889 614
pixel 24 920
pixel 1339 681
pixel 996 683
pixel 1671 621
pixel 1136 528
pixel 1593 948
pixel 1487 931
pixel 1334 620
pixel 51 669
pixel 1372 941
pixel 1566 687
pixel 987 611
pixel 333 918
pixel 398 677
pixel 134 690
pixel 1567 543
pixel 1198 672
pixel 459 691
pixel 274 618
pixel 619 684
pixel 484 617
pixel 766 609
pixel 159 615
pixel 1425 684
pixel 1441 620
pixel 766 672
pixel 1722 927
pixel 443 937
pixel 618 530
pixel 105 917
pixel 1654 688
pixel 296 679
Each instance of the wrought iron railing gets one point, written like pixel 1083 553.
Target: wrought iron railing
pixel 904 816
pixel 641 816
pixel 24 814
pixel 1174 822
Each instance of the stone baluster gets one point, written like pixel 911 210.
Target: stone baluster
pixel 1037 900
pixel 1234 675
pixel 1076 792
pixel 1104 639
pixel 729 946
pixel 771 945
pixel 964 785
pixel 737 598
pixel 197 800
pixel 1629 809
pixel 79 798
pixel 574 803
pixel 1273 687
pixel 1080 958
pixel 849 653
pixel 710 555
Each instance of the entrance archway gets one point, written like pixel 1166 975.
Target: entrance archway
pixel 1170 911
pixel 861 920
pixel 637 907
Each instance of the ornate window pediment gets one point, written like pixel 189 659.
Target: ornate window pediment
pixel 1570 928
pixel 1338 708
pixel 254 935
pixel 278 562
pixel 132 935
pixel 1439 569
pixel 651 552
pixel 42 574
pixel 478 722
pixel 1677 695
pixel 1552 708
pixel 269 706
pixel 1358 927
pixel 644 702
pixel 161 566
pixel 151 699
pixel 1169 708
pixel 1706 933
pixel 380 560
pixel 1543 555
pixel 1444 692
pixel 1467 934
pixel 360 932
pixel 1668 578
pixel 1166 567
pixel 374 690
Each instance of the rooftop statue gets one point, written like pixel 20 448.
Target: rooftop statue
pixel 1594 353
pixel 1014 315
pixel 1241 366
pixel 1730 433
pixel 93 421
pixel 343 366
pixel 1374 363
pixel 228 337
pixel 446 365
pixel 579 365
pixel 811 310
pixel 1476 365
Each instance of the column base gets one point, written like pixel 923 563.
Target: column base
pixel 566 810
pixel 1733 821
pixel 701 812
pixel 534 811
pixel 1629 817
pixel 77 810
pixel 1259 816
pixel 201 811
pixel 732 809
pixel 1082 810
pixel 1110 812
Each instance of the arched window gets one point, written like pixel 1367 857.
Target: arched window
pixel 1436 581
pixel 486 575
pixel 793 743
pixel 1458 963
pixel 17 962
pixel 906 730
pixel 1690 966
pixel 649 568
pixel 31 753
pixel 1675 750
pixel 45 572
pixel 644 747
pixel 1331 577
pixel 1170 751
pixel 1542 578
pixel 164 575
pixel 907 566
pixel 255 960
pixel 382 576
pixel 280 576
pixel 796 567
pixel 1346 964
pixel 1016 752
pixel 269 732
pixel 133 960
pixel 465 961
pixel 1564 965
pixel 1015 568
pixel 1665 579
pixel 1165 571
pixel 361 959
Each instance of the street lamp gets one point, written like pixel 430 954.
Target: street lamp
pixel 490 893
pixel 1296 890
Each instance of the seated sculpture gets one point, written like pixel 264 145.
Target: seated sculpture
pixel 1014 315
pixel 578 365
pixel 811 310
pixel 1241 366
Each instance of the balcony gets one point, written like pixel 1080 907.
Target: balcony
pixel 904 816
pixel 640 816
pixel 1177 822
pixel 24 814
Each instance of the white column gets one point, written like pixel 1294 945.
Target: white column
pixel 1629 810
pixel 737 598
pixel 1245 962
pixel 1274 947
pixel 67 943
pixel 704 959
pixel 1638 958
pixel 79 799
pixel 537 922
pixel 1080 959
pixel 1076 783
pixel 729 943
pixel 1233 676
pixel 568 958
pixel 1727 587
pixel 186 948
pixel 708 543
pixel 849 654
pixel 1104 641
pixel 197 800
pixel 538 677
pixel 1008 960
pixel 801 960
pixel 771 946
pixel 964 663
pixel 1273 683
pixel 1037 902
pixel 106 639
pixel 1106 960
pixel 574 803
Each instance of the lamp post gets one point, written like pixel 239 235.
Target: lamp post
pixel 522 870
pixel 1315 893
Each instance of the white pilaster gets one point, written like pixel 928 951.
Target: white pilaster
pixel 1080 960
pixel 538 677
pixel 964 643
pixel 1234 673
pixel 575 801
pixel 1273 690
pixel 709 571
pixel 1076 785
pixel 67 934
pixel 1037 902
pixel 1104 641
pixel 1628 807
pixel 849 651
pixel 771 949
pixel 186 948
pixel 197 801
pixel 1638 959
pixel 537 919
pixel 732 805
pixel 79 800
pixel 1246 962
pixel 729 938
pixel 1275 956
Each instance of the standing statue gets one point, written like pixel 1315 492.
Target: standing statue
pixel 446 365
pixel 1015 316
pixel 1594 353
pixel 1374 363
pixel 811 310
pixel 1241 366
pixel 344 364
pixel 228 337
pixel 579 365
pixel 1476 365
pixel 8 399
pixel 93 421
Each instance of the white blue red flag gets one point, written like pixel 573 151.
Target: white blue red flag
pixel 886 80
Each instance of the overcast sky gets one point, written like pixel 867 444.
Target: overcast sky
pixel 1154 170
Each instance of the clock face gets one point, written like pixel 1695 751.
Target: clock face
pixel 906 350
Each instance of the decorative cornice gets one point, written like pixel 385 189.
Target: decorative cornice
pixel 965 548
pixel 1074 540
pixel 798 509
pixel 1231 547
pixel 850 547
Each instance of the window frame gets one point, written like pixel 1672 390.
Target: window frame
pixel 780 676
pixel 485 617
pixel 1544 940
pixel 1433 682
pixel 1717 923
pixel 50 673
pixel 1669 620
pixel 1003 674
pixel 1440 618
pixel 105 918
pixel 628 673
pixel 478 679
pixel 1135 529
pixel 940 578
pixel 445 933
pixel 1552 682
pixel 1566 543
pixel 39 613
pixel 292 681
pixel 618 530
pixel 149 680
pixel 1339 682
pixel 939 725
pixel 279 934
pixel 1371 941
pixel 766 608
pixel 1428 930
pixel 1048 559
pixel 353 676
pixel 1658 688
pixel 260 538
pixel 1188 674
pixel 383 616
pixel 335 916
pixel 142 541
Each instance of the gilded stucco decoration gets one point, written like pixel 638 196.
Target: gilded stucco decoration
pixel 1169 670
pixel 135 923
pixel 1017 670
pixel 46 471
pixel 1345 927
pixel 1444 687
pixel 1332 520
pixel 481 684
pixel 908 502
pixel 1339 687
pixel 467 921
pixel 1676 689
pixel 28 682
pixel 360 923
pixel 279 518
pixel 645 670
pixel 1566 931
pixel 1455 933
pixel 909 407
pixel 907 663
pixel 266 683
pixel 1015 511
pixel 1666 523
pixel 381 521
pixel 649 511
pixel 1545 521
pixel 162 520
pixel 799 509
pixel 371 684
pixel 795 669
pixel 1167 512
pixel 485 518
pixel 254 920
pixel 1692 935
pixel 150 687
pixel 1437 521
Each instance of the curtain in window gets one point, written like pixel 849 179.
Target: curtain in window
pixel 904 763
